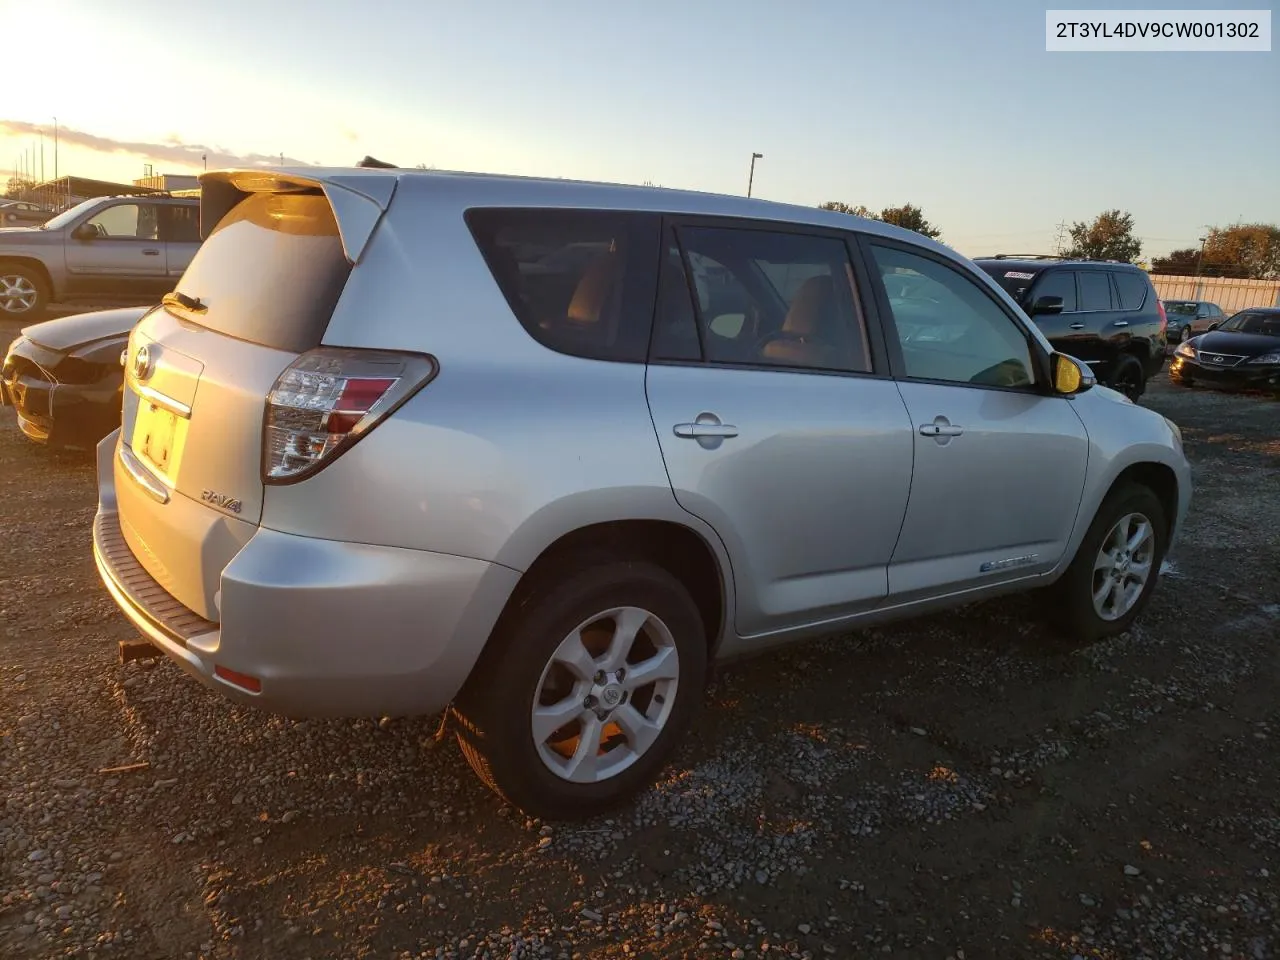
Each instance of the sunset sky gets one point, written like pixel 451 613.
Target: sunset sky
pixel 955 107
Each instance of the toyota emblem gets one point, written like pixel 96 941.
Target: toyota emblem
pixel 142 364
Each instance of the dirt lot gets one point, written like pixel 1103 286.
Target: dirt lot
pixel 955 787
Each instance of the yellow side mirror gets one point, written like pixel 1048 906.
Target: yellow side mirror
pixel 1066 375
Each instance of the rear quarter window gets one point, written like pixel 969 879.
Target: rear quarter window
pixel 270 272
pixel 1132 288
pixel 580 282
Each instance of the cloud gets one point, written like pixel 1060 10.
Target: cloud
pixel 172 150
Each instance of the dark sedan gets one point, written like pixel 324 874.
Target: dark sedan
pixel 1242 352
pixel 63 377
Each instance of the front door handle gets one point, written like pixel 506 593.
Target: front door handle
pixel 1077 326
pixel 941 430
pixel 1122 323
pixel 707 429
pixel 695 431
pixel 151 252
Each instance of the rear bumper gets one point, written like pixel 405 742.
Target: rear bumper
pixel 327 628
pixel 1242 376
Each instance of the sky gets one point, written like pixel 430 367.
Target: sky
pixel 955 107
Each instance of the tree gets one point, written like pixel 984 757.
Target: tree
pixel 838 207
pixel 1250 250
pixel 1109 237
pixel 17 188
pixel 909 217
pixel 1179 263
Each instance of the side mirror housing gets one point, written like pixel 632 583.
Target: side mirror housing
pixel 1070 376
pixel 85 231
pixel 1215 325
pixel 1046 305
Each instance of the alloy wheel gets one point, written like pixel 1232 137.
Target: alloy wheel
pixel 17 294
pixel 1123 566
pixel 605 695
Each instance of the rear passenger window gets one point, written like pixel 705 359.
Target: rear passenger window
pixel 1057 283
pixel 1132 288
pixel 580 281
pixel 1095 290
pixel 775 299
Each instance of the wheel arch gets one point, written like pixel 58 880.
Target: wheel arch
pixel 687 554
pixel 33 263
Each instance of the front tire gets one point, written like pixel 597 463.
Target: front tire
pixel 1116 566
pixel 24 295
pixel 583 693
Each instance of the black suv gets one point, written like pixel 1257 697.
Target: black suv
pixel 1103 312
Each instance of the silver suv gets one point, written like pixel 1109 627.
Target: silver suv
pixel 540 451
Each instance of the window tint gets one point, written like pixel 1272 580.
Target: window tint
pixel 1057 283
pixel 271 271
pixel 1095 290
pixel 952 330
pixel 182 223
pixel 127 221
pixel 1132 288
pixel 580 282
pixel 675 332
pixel 776 299
pixel 1015 280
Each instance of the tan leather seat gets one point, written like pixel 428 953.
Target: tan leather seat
pixel 590 304
pixel 813 337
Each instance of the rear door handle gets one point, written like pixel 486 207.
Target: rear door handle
pixel 1122 323
pixel 696 431
pixel 1077 326
pixel 151 252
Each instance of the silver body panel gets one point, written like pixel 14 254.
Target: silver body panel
pixel 829 509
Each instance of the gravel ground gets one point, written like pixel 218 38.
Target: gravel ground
pixel 955 787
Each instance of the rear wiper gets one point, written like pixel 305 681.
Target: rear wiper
pixel 176 299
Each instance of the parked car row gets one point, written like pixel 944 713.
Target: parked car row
pixel 389 448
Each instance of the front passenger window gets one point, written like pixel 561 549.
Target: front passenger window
pixel 127 221
pixel 949 328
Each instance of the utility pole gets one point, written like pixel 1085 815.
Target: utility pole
pixel 752 175
pixel 1060 238
pixel 55 148
pixel 42 156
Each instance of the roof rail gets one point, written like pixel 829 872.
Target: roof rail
pixel 1028 256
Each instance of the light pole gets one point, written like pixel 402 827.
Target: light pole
pixel 752 175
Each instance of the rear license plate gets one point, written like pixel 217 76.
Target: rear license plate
pixel 153 436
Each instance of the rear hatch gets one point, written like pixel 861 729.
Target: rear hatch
pixel 200 369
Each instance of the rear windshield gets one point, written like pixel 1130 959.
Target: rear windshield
pixel 270 272
pixel 1014 280
pixel 1173 306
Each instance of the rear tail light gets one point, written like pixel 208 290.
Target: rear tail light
pixel 328 399
pixel 1164 317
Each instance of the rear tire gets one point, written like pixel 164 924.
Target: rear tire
pixel 24 294
pixel 600 755
pixel 1108 563
pixel 1128 377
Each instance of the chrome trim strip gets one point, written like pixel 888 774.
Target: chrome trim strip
pixel 141 475
pixel 159 399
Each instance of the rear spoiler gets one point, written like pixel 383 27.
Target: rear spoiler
pixel 358 199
